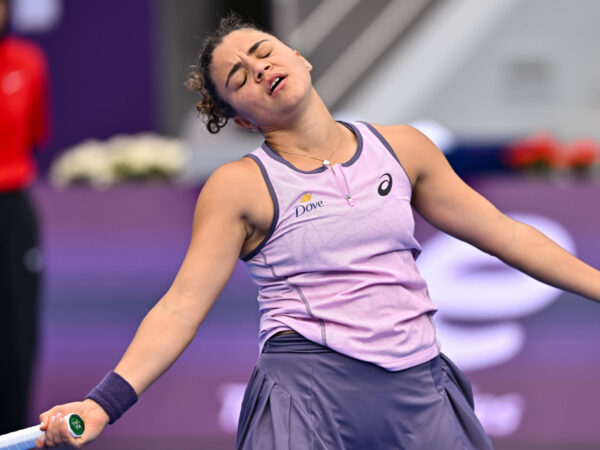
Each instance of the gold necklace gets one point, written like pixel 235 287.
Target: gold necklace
pixel 326 162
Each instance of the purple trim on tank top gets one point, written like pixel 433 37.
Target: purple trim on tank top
pixel 359 143
pixel 389 148
pixel 277 157
pixel 254 252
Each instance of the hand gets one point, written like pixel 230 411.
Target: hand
pixel 55 426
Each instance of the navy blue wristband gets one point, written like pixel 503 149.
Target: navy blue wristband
pixel 114 394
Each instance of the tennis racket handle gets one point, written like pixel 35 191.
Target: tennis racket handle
pixel 27 437
pixel 21 439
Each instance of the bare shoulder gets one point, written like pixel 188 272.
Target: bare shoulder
pixel 244 172
pixel 237 192
pixel 415 151
pixel 398 131
pixel 403 134
pixel 235 182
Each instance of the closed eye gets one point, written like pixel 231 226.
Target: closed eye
pixel 261 56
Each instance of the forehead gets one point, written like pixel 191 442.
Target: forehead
pixel 235 43
pixel 243 39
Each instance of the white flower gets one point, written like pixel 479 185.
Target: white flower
pixel 87 161
pixel 120 158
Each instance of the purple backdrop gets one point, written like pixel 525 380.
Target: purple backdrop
pixel 102 72
pixel 110 255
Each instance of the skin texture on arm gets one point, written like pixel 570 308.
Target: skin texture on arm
pixel 445 201
pixel 224 222
pixel 217 239
pixel 232 214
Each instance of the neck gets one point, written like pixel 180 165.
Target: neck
pixel 314 131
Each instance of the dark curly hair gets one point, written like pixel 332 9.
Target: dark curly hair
pixel 214 110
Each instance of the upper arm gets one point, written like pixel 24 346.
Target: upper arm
pixel 443 199
pixel 218 234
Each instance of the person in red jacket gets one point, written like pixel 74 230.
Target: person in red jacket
pixel 23 127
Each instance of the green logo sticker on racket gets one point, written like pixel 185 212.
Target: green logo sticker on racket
pixel 76 425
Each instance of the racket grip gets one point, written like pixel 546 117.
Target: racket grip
pixel 27 437
pixel 20 440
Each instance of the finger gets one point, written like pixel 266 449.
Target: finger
pixel 49 442
pixel 43 421
pixel 46 416
pixel 41 442
pixel 58 426
pixel 65 436
pixel 53 434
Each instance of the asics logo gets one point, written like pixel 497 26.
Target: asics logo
pixel 385 186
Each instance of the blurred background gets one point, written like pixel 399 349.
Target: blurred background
pixel 509 89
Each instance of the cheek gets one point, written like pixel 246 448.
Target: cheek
pixel 249 97
pixel 244 105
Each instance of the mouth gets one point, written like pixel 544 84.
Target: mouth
pixel 275 82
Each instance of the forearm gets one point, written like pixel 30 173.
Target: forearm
pixel 531 252
pixel 161 337
pixel 163 334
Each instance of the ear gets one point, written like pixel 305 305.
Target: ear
pixel 304 60
pixel 245 123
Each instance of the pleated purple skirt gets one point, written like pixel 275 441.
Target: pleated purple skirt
pixel 302 396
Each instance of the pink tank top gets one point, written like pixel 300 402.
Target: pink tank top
pixel 338 263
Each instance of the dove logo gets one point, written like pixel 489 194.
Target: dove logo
pixel 306 205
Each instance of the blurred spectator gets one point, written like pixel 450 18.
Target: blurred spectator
pixel 23 125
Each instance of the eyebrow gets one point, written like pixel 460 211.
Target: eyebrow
pixel 238 64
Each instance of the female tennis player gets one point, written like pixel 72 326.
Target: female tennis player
pixel 321 213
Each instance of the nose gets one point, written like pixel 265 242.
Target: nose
pixel 260 69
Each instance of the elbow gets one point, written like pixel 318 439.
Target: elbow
pixel 184 309
pixel 505 242
pixel 520 242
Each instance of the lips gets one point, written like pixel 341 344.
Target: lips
pixel 276 81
